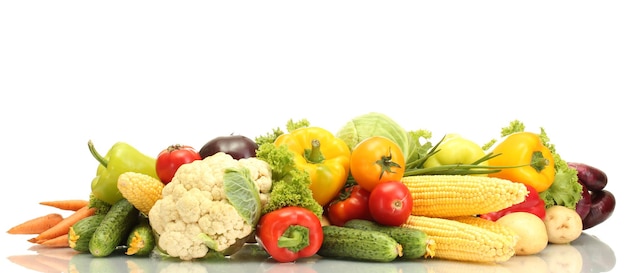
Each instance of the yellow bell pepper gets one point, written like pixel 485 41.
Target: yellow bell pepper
pixel 534 160
pixel 325 157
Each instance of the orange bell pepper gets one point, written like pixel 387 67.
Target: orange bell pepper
pixel 534 160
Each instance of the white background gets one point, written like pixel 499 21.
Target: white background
pixel 155 73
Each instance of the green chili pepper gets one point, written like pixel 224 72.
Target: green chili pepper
pixel 121 158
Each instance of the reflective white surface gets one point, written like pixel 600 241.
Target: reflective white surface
pixel 587 254
pixel 154 74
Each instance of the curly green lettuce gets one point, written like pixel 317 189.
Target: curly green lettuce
pixel 565 190
pixel 276 132
pixel 290 185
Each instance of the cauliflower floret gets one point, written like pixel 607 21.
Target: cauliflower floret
pixel 194 216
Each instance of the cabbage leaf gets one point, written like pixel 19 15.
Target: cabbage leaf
pixel 377 124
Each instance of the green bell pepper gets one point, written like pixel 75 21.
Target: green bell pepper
pixel 455 149
pixel 121 158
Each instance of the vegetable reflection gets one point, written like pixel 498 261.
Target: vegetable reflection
pixel 587 254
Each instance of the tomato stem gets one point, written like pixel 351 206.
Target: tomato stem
pixel 174 147
pixel 397 205
pixel 385 162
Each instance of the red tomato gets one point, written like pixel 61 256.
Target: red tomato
pixel 391 203
pixel 376 160
pixel 352 203
pixel 170 159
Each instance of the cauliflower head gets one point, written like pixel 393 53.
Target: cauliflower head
pixel 194 214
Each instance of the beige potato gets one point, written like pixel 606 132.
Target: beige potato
pixel 562 258
pixel 563 224
pixel 533 236
pixel 527 263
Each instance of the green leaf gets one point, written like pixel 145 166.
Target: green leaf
pixel 208 241
pixel 419 151
pixel 243 194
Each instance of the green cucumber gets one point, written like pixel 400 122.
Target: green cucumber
pixel 100 206
pixel 357 244
pixel 141 240
pixel 114 228
pixel 81 232
pixel 415 243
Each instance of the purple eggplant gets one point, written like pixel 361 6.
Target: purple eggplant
pixel 592 177
pixel 597 255
pixel 584 204
pixel 237 146
pixel 602 207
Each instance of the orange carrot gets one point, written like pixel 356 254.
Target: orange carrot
pixel 59 265
pixel 65 254
pixel 63 227
pixel 30 262
pixel 68 204
pixel 36 225
pixel 59 241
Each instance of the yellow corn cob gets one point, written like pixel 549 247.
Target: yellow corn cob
pixel 461 195
pixel 448 266
pixel 464 242
pixel 487 224
pixel 139 189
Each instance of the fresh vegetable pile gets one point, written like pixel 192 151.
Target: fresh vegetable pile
pixel 370 192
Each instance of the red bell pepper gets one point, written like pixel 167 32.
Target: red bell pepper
pixel 290 233
pixel 532 204
pixel 351 203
